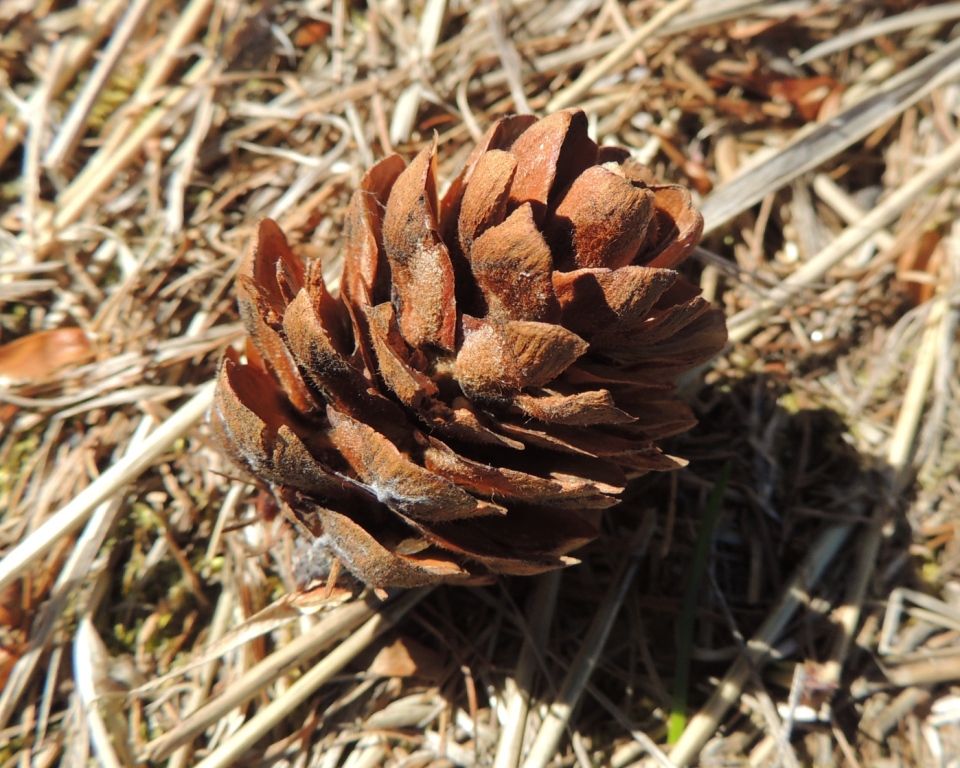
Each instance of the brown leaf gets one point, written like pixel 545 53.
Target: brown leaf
pixel 405 657
pixel 39 356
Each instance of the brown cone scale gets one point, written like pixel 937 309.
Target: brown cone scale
pixel 496 364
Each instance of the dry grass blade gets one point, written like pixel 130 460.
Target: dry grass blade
pixel 544 746
pixel 909 20
pixel 78 50
pixel 574 93
pixel 812 148
pixel 72 127
pixel 339 623
pixel 89 661
pixel 15 562
pixel 796 592
pixel 543 603
pixel 898 455
pixel 104 166
pixel 297 693
pixel 748 321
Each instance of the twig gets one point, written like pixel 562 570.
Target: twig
pixel 88 659
pixel 205 676
pixel 189 21
pixel 336 624
pixel 408 103
pixel 847 617
pixel 509 57
pixel 37 123
pixel 573 93
pixel 846 207
pixel 847 39
pixel 908 420
pixel 72 127
pixel 104 165
pixel 78 50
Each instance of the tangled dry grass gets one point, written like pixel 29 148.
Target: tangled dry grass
pixel 789 598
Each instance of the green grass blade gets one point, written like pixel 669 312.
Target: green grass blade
pixel 688 611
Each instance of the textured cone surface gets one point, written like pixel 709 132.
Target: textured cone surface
pixel 496 365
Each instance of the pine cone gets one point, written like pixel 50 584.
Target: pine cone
pixel 494 368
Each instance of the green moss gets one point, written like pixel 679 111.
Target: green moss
pixel 117 92
pixel 11 470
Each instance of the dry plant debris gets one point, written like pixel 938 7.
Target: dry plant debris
pixel 150 608
pixel 496 365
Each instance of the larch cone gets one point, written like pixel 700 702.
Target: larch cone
pixel 493 369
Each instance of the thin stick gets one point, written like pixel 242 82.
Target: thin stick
pixel 796 592
pixel 543 603
pixel 73 572
pixel 845 206
pixel 188 24
pixel 204 677
pixel 336 624
pixel 745 322
pixel 908 420
pixel 936 14
pixel 110 482
pixel 104 165
pixel 509 57
pixel 551 730
pixel 573 93
pixel 76 119
pixel 88 661
pixel 39 107
pixel 271 715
